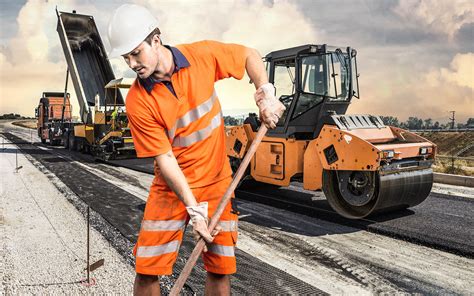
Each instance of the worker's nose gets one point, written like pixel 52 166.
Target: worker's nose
pixel 132 63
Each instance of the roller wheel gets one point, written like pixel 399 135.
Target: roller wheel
pixel 352 194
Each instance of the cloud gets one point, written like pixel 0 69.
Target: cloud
pixel 32 60
pixel 259 24
pixel 443 17
pixel 429 94
pixel 465 37
pixel 34 56
pixel 459 73
pixel 417 73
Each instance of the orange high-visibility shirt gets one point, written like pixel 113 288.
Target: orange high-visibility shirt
pixel 189 121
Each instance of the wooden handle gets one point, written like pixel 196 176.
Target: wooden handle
pixel 217 214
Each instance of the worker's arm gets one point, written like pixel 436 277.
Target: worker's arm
pixel 269 106
pixel 174 177
pixel 255 68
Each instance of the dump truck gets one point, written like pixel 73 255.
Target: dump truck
pixel 53 114
pixel 362 165
pixel 103 130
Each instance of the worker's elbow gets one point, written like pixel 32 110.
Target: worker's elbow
pixel 164 158
pixel 252 52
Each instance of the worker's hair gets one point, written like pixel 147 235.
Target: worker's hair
pixel 148 38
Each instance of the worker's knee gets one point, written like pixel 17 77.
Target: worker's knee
pixel 216 276
pixel 145 279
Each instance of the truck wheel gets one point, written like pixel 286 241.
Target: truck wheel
pixel 66 140
pixel 86 149
pixel 50 136
pixel 72 142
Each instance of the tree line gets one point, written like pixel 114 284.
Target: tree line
pixel 13 116
pixel 415 123
pixel 412 123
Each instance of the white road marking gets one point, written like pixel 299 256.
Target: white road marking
pixel 134 190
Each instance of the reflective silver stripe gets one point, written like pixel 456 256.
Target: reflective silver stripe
pixel 152 251
pixel 193 114
pixel 157 225
pixel 228 226
pixel 198 135
pixel 227 251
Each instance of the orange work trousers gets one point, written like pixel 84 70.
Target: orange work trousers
pixel 162 230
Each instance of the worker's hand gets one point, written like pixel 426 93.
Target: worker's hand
pixel 269 106
pixel 199 220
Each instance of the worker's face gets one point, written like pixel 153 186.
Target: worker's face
pixel 144 59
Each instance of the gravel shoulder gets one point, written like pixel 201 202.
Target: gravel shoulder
pixel 44 239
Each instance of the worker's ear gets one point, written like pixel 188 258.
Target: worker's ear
pixel 156 39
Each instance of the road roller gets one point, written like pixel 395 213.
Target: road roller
pixel 362 165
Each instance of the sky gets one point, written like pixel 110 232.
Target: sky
pixel 415 57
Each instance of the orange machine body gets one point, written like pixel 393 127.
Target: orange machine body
pixel 278 161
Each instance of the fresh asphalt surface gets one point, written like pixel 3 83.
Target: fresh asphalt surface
pixel 442 221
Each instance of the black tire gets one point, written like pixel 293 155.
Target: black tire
pixel 339 204
pixel 50 136
pixel 86 148
pixel 43 141
pixel 66 140
pixel 72 142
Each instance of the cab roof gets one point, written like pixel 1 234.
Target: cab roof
pixel 307 48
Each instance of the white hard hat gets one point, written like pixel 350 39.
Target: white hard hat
pixel 128 27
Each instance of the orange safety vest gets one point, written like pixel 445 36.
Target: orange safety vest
pixel 189 121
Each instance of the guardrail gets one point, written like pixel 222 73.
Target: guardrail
pixel 467 158
pixel 457 130
pixel 457 180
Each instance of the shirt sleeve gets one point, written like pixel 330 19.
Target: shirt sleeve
pixel 229 59
pixel 149 136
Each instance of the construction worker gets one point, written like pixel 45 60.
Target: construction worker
pixel 176 118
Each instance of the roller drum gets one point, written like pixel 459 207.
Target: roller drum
pixel 403 190
pixel 397 190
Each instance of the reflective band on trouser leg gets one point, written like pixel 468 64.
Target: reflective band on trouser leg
pixel 228 226
pixel 159 225
pixel 160 234
pixel 199 135
pixel 193 114
pixel 227 251
pixel 152 251
pixel 222 250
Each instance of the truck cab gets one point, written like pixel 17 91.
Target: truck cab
pixel 54 109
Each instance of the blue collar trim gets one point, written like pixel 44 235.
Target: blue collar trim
pixel 180 62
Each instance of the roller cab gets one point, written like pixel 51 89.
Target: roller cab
pixel 362 166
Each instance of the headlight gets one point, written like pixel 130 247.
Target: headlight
pixel 387 154
pixel 426 150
